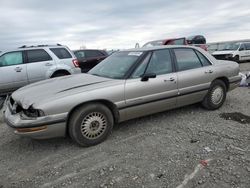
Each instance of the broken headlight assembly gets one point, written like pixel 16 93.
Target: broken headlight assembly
pixel 31 113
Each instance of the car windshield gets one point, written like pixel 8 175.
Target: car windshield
pixel 231 46
pixel 154 43
pixel 117 65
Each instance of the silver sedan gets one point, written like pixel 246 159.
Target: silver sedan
pixel 126 85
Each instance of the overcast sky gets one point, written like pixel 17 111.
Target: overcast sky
pixel 114 24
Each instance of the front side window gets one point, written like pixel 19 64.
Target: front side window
pixel 160 63
pixel 247 45
pixel 12 58
pixel 38 56
pixel 117 65
pixel 186 59
pixel 61 53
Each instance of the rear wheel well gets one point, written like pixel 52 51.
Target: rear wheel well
pixel 112 107
pixel 225 80
pixel 61 71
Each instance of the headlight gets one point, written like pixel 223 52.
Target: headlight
pixel 229 55
pixel 31 113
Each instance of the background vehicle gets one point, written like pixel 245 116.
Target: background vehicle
pixel 236 51
pixel 197 40
pixel 26 65
pixel 126 85
pixel 89 58
pixel 173 41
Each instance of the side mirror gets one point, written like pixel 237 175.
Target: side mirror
pixel 146 76
pixel 241 49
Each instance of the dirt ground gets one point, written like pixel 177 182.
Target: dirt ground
pixel 185 147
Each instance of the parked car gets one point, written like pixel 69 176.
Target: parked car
pixel 173 41
pixel 239 51
pixel 126 85
pixel 193 41
pixel 89 58
pixel 26 65
pixel 198 41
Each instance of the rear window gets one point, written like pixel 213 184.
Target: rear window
pixel 38 56
pixel 61 53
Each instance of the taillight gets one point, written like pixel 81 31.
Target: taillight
pixel 75 62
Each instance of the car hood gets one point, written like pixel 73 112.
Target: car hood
pixel 223 52
pixel 48 89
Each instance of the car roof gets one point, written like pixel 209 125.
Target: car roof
pixel 32 48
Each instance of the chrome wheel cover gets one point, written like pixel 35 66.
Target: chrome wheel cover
pixel 93 125
pixel 217 95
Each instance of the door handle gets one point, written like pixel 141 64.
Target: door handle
pixel 18 69
pixel 209 71
pixel 48 64
pixel 170 79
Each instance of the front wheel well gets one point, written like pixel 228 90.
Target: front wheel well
pixel 225 80
pixel 112 107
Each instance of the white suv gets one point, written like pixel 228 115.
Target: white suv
pixel 239 51
pixel 26 65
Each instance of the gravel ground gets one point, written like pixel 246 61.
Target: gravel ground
pixel 185 147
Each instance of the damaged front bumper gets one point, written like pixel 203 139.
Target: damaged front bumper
pixel 39 128
pixel 234 82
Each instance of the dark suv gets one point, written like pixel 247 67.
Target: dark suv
pixel 89 58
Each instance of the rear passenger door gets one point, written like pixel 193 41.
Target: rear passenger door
pixel 13 73
pixel 195 74
pixel 39 62
pixel 155 94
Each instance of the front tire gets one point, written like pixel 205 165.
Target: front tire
pixel 90 124
pixel 216 95
pixel 237 59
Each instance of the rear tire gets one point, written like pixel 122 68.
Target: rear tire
pixel 90 124
pixel 216 95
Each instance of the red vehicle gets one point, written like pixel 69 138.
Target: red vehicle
pixel 197 40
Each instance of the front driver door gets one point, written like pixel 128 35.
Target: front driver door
pixel 13 73
pixel 155 94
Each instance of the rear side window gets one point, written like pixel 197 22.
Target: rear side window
pixel 61 53
pixel 186 59
pixel 12 58
pixel 93 53
pixel 38 56
pixel 203 59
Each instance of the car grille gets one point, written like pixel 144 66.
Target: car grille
pixel 220 57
